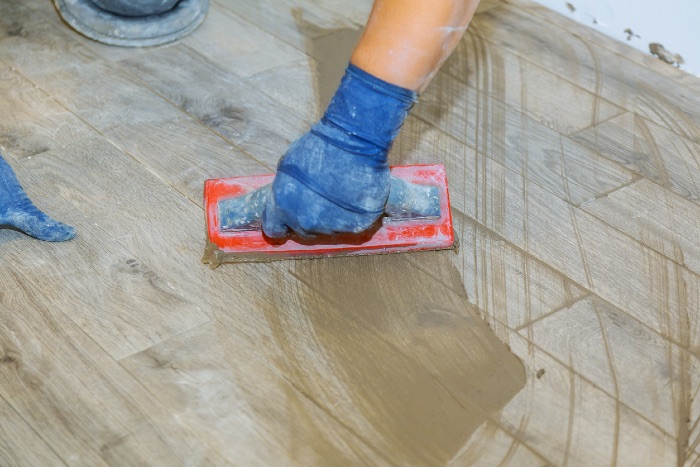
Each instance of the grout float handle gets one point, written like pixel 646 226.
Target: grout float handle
pixel 406 201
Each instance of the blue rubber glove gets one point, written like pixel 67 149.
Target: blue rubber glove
pixel 18 212
pixel 335 178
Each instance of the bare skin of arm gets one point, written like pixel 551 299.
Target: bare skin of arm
pixel 336 178
pixel 406 41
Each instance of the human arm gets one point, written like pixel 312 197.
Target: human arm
pixel 336 177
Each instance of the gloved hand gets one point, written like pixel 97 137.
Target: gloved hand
pixel 17 211
pixel 335 178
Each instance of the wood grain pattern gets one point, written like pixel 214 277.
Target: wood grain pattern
pixel 31 122
pixel 105 97
pixel 298 75
pixel 19 443
pixel 642 84
pixel 655 217
pixel 584 249
pixel 625 359
pixel 238 46
pixel 571 170
pixel 648 149
pixel 575 57
pixel 294 21
pixel 15 19
pixel 237 111
pixel 64 396
pixel 491 445
pixel 511 79
pixel 33 53
pixel 557 412
pixel 124 303
pixel 572 164
pixel 205 376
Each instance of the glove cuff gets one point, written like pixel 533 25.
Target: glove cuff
pixel 366 113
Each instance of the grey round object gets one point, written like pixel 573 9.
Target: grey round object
pixel 141 31
pixel 135 7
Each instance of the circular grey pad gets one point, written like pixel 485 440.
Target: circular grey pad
pixel 133 31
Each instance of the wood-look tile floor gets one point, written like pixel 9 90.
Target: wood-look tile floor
pixel 574 169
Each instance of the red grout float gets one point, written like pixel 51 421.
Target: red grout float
pixel 417 217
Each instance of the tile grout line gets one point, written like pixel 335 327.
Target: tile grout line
pixel 565 306
pixel 33 429
pixel 139 81
pixel 530 256
pixel 579 206
pixel 585 378
pixel 605 194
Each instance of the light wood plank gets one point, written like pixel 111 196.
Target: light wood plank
pixel 664 94
pixel 656 217
pixel 630 362
pixel 569 421
pixel 491 445
pixel 571 170
pixel 614 75
pixel 549 228
pixel 89 410
pixel 239 112
pixel 294 84
pixel 32 122
pixel 183 153
pixel 216 385
pixel 16 19
pixel 649 150
pixel 122 302
pixel 490 70
pixel 657 291
pixel 238 46
pixel 178 148
pixel 19 444
pixel 35 53
pixel 675 108
pixel 529 38
pixel 295 21
pixel 105 97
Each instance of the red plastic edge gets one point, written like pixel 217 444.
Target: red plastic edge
pixel 391 237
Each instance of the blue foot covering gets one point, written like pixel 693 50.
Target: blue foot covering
pixel 18 212
pixel 335 178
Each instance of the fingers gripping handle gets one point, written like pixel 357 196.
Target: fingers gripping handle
pixel 406 201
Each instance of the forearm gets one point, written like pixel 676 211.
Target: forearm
pixel 406 41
